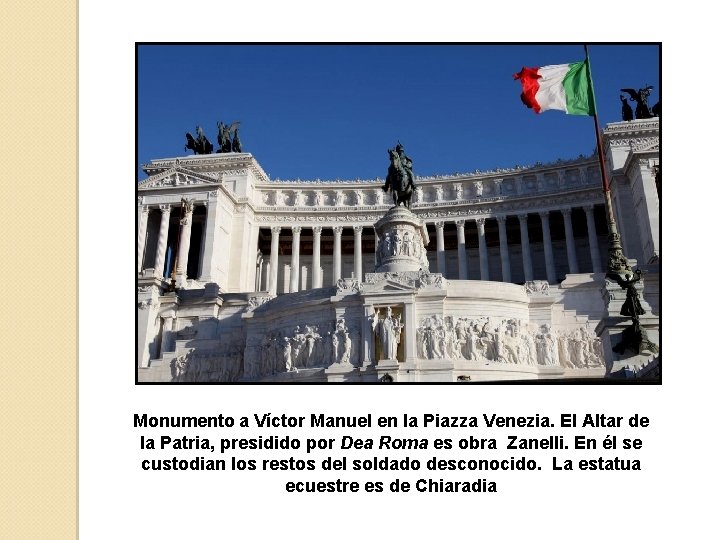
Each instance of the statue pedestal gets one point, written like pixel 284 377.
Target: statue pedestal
pixel 628 363
pixel 341 372
pixel 611 327
pixel 402 241
pixel 387 370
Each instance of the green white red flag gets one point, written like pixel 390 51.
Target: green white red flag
pixel 563 87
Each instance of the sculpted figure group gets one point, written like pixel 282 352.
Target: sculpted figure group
pixel 400 243
pixel 303 347
pixel 489 339
pixel 482 339
pixel 227 138
pixel 197 366
pixel 642 110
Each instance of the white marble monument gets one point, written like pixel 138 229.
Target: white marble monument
pixel 492 275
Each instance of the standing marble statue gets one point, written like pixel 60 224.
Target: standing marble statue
pixel 389 331
pixel 342 343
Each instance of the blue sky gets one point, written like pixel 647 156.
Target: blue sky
pixel 332 111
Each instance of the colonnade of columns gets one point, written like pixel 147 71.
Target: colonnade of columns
pixel 272 268
pixel 550 270
pixel 442 263
pixel 316 268
pixel 185 234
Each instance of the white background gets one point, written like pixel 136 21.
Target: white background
pixel 671 496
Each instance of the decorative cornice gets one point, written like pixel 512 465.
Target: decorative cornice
pixel 432 215
pixel 644 143
pixel 211 164
pixel 634 127
pixel 176 176
pixel 450 178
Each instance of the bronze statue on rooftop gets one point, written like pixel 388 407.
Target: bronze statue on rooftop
pixel 640 96
pixel 199 145
pixel 228 137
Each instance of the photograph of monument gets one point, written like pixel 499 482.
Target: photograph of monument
pixel 537 271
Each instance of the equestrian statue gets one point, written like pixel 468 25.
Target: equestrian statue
pixel 400 178
pixel 199 145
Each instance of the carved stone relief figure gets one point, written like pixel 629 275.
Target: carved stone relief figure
pixel 336 347
pixel 405 250
pixel 389 330
pixel 287 353
pixel 395 243
pixel 342 343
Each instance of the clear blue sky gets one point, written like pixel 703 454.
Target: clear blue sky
pixel 331 111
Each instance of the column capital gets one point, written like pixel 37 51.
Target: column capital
pixel 144 209
pixel 188 204
pixel 165 208
pixel 140 200
pixel 544 214
pixel 566 212
pixel 337 229
pixel 358 229
pixel 460 223
pixel 501 219
pixel 439 224
pixel 317 229
pixel 588 208
pixel 522 217
pixel 275 231
pixel 296 229
pixel 480 222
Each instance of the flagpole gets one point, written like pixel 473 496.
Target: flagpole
pixel 616 260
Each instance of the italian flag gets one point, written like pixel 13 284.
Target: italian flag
pixel 564 87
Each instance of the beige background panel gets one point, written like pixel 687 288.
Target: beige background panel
pixel 38 152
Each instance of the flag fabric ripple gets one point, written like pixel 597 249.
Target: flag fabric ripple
pixel 563 87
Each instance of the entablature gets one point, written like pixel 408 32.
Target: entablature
pixel 367 216
pixel 212 165
pixel 278 196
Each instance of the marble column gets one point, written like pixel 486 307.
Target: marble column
pixel 337 253
pixel 142 233
pixel 440 234
pixel 316 278
pixel 570 240
pixel 295 261
pixel 162 241
pixel 592 238
pixel 504 253
pixel 525 241
pixel 462 255
pixel 267 276
pixel 482 248
pixel 184 249
pixel 358 252
pixel 211 223
pixel 547 245
pixel 274 246
pixel 252 249
pixel 368 336
pixel 258 272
